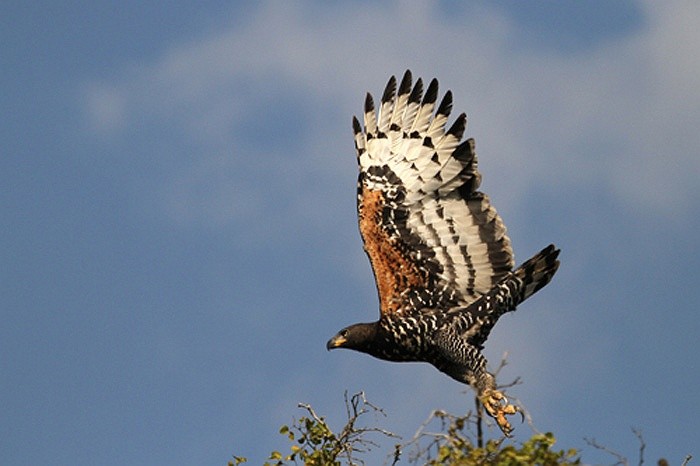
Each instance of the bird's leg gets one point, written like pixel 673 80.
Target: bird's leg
pixel 464 362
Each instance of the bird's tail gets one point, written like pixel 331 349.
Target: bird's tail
pixel 537 271
pixel 512 290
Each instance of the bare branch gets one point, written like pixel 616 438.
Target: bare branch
pixel 502 364
pixel 642 445
pixel 421 434
pixel 621 460
pixel 479 421
pixel 454 432
pixel 351 439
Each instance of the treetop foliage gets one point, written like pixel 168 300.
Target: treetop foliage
pixel 452 441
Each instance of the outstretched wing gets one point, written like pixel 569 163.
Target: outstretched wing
pixel 429 234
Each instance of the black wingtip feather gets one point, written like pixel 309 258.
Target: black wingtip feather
pixel 369 103
pixel 390 90
pixel 431 93
pixel 445 105
pixel 356 127
pixel 464 152
pixel 417 92
pixel 405 86
pixel 458 127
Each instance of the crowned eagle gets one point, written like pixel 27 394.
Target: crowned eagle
pixel 442 261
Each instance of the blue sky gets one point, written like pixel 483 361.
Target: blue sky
pixel 179 235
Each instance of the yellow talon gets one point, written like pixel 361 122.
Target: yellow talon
pixel 496 404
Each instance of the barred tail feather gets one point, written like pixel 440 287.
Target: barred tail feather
pixel 537 271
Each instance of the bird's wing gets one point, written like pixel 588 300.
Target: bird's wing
pixel 427 230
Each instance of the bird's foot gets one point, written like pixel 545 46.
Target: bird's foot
pixel 497 406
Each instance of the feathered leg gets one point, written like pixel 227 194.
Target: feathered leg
pixel 465 363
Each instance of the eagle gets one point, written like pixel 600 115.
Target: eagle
pixel 442 261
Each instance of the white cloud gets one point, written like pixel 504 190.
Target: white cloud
pixel 619 117
pixel 105 108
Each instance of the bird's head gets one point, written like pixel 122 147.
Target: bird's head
pixel 356 337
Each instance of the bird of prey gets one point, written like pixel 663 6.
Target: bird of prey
pixel 442 261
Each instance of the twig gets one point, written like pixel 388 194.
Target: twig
pixel 352 439
pixel 421 433
pixel 687 460
pixel 479 420
pixel 642 445
pixel 455 433
pixel 620 459
pixel 516 381
pixel 501 365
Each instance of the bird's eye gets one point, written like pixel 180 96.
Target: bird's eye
pixel 344 333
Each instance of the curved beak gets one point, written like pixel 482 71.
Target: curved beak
pixel 335 342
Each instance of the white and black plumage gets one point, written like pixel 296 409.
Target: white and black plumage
pixel 442 261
